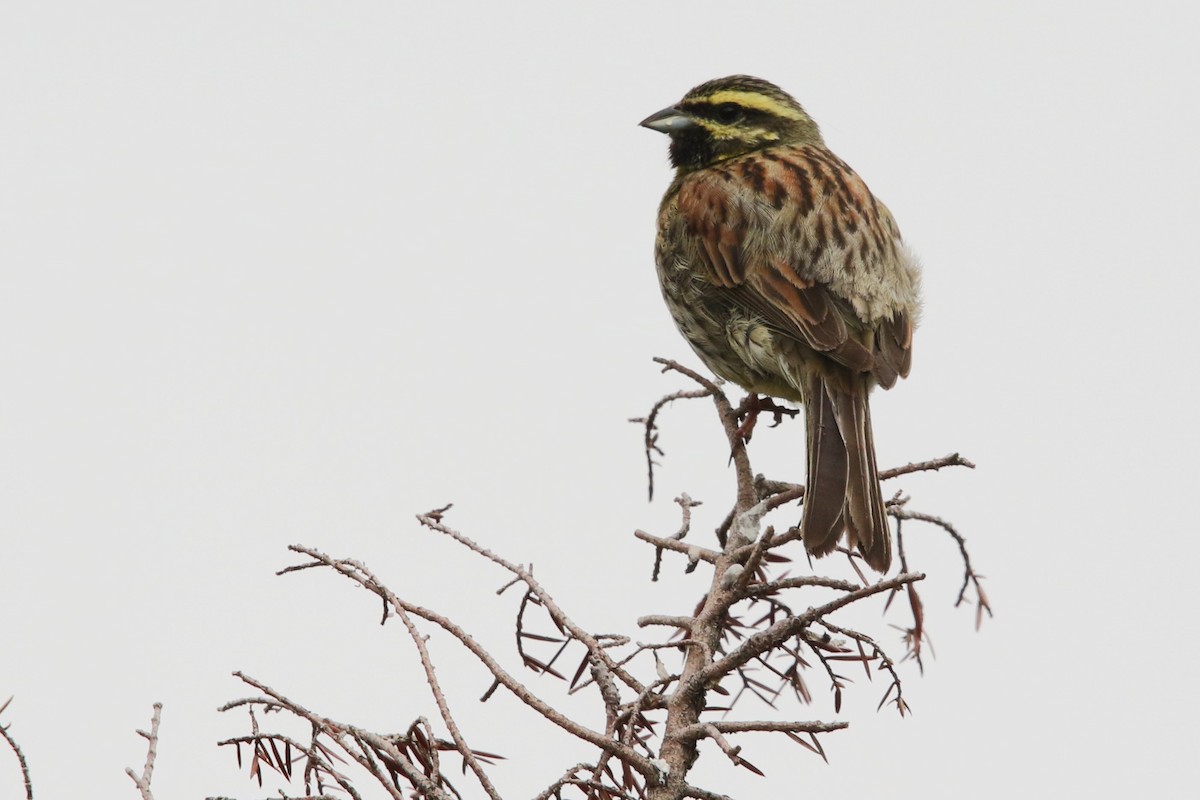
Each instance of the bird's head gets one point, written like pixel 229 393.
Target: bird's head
pixel 729 117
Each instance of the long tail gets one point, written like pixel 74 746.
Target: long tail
pixel 842 490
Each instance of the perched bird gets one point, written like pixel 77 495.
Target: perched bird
pixel 789 278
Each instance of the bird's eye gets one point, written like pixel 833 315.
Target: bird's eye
pixel 728 113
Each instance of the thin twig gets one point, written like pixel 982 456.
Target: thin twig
pixel 651 430
pixel 444 707
pixel 737 446
pixel 692 551
pixel 933 464
pixel 12 744
pixel 686 504
pixel 761 726
pixel 969 575
pixel 548 602
pixel 143 781
pixel 885 663
pixel 702 794
pixel 771 587
pixel 782 492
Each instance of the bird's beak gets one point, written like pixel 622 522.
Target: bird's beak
pixel 669 120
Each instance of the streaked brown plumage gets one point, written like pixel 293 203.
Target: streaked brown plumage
pixel 789 278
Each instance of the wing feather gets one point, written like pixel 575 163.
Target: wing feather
pixel 785 230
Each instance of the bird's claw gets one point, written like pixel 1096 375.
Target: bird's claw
pixel 754 404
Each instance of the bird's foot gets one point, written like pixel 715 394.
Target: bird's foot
pixel 754 404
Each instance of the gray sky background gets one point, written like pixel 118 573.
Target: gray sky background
pixel 282 272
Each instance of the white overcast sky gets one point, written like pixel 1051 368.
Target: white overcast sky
pixel 280 272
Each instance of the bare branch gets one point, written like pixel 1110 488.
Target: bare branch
pixel 339 733
pixel 933 464
pixel 702 794
pixel 143 781
pixel 665 620
pixel 560 618
pixel 444 707
pixel 651 435
pixel 970 577
pixel 784 629
pixel 729 421
pixel 772 587
pixel 761 726
pixel 885 663
pixel 692 551
pixel 361 575
pixel 685 503
pixel 12 744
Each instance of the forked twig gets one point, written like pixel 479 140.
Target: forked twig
pixel 143 781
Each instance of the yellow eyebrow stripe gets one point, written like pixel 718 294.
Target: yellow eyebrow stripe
pixel 756 101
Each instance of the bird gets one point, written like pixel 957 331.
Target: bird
pixel 788 277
